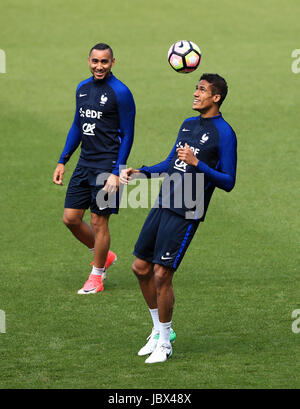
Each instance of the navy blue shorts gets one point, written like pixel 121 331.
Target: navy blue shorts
pixel 165 237
pixel 83 189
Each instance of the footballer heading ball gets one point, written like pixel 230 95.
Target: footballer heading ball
pixel 184 56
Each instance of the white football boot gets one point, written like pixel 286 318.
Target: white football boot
pixel 150 345
pixel 152 342
pixel 161 353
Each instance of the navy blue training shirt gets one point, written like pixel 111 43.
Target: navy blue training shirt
pixel 214 143
pixel 103 124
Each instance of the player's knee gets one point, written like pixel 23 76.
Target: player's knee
pixel 141 269
pixel 70 221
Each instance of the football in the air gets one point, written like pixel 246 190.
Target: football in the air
pixel 184 56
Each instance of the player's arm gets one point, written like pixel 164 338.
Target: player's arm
pixel 72 142
pixel 126 107
pixel 225 173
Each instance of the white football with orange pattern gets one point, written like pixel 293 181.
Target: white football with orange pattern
pixel 184 56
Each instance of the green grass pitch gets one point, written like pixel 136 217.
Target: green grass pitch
pixel 239 281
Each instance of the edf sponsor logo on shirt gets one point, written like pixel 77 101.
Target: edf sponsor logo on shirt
pixel 90 113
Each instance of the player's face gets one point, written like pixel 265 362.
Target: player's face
pixel 100 63
pixel 204 100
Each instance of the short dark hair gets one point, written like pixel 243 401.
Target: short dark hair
pixel 102 46
pixel 218 85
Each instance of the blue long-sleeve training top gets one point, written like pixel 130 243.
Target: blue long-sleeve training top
pixel 214 143
pixel 103 124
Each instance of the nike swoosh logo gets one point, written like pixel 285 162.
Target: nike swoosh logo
pixel 186 130
pixel 82 95
pixel 166 258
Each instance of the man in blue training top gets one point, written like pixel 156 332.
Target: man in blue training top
pixel 104 125
pixel 205 145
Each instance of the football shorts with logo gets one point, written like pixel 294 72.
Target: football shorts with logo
pixel 85 191
pixel 165 237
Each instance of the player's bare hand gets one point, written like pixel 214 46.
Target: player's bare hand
pixel 127 174
pixel 112 184
pixel 59 174
pixel 187 155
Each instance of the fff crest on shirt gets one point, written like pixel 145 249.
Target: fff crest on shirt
pixel 204 138
pixel 103 99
